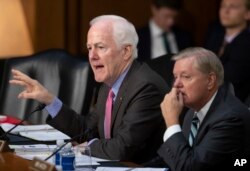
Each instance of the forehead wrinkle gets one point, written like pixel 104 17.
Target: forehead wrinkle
pixel 102 29
pixel 191 61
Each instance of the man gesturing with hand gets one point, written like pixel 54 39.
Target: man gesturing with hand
pixel 32 88
pixel 126 123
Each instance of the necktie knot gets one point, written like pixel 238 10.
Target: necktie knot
pixel 195 120
pixel 111 94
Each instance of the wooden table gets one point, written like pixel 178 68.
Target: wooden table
pixel 11 162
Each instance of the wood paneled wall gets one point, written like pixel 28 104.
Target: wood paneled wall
pixel 15 37
pixel 29 26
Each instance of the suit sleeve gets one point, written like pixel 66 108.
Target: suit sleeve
pixel 141 118
pixel 221 142
pixel 73 124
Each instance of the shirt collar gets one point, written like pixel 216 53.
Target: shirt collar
pixel 116 86
pixel 155 30
pixel 230 38
pixel 202 113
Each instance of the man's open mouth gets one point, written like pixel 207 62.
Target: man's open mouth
pixel 98 67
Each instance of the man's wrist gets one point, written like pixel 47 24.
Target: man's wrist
pixel 54 108
pixel 49 99
pixel 172 122
pixel 171 130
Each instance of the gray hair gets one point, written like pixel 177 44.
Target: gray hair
pixel 206 61
pixel 123 31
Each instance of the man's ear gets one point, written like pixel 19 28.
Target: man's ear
pixel 211 80
pixel 127 52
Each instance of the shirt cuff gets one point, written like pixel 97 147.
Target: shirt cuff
pixel 54 108
pixel 171 131
pixel 91 141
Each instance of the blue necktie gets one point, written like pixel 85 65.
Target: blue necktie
pixel 194 129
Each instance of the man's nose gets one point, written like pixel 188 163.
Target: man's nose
pixel 177 83
pixel 92 54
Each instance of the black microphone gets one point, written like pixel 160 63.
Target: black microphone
pixel 40 107
pixel 83 134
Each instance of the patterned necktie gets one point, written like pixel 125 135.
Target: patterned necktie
pixel 108 113
pixel 166 43
pixel 193 130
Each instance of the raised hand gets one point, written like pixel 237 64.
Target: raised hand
pixel 171 107
pixel 32 88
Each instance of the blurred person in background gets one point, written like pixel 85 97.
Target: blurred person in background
pixel 161 36
pixel 230 40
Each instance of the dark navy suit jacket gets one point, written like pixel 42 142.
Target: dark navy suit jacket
pixel 183 39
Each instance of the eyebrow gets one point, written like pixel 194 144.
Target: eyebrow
pixel 95 44
pixel 182 72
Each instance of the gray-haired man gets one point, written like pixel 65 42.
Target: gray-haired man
pixel 127 123
pixel 216 129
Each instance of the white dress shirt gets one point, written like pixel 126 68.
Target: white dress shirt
pixel 157 43
pixel 230 38
pixel 200 114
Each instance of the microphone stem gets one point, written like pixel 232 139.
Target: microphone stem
pixel 56 151
pixel 38 108
pixel 75 137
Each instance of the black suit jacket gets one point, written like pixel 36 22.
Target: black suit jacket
pixel 236 59
pixel 183 39
pixel 137 123
pixel 223 136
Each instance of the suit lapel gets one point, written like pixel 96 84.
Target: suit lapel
pixel 187 124
pixel 102 105
pixel 210 115
pixel 116 106
pixel 201 131
pixel 122 92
